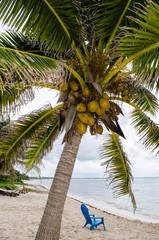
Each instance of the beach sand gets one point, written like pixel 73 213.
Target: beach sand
pixel 21 215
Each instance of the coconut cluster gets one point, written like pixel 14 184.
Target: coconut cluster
pixel 91 105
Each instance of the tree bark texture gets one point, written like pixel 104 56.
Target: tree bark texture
pixel 50 225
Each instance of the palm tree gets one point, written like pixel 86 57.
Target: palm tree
pixel 85 40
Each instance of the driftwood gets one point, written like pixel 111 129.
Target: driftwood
pixel 13 193
pixel 8 193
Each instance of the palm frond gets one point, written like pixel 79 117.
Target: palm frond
pixel 19 62
pixel 14 137
pixel 109 17
pixel 53 21
pixel 41 145
pixel 147 32
pixel 146 129
pixel 117 167
pixel 144 99
pixel 4 121
pixel 146 68
pixel 138 39
pixel 11 99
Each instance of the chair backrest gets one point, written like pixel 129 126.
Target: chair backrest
pixel 85 212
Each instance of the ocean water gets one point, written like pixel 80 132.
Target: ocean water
pixel 96 193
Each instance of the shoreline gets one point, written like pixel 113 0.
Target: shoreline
pixel 109 208
pixel 115 211
pixel 21 215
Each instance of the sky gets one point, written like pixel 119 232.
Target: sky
pixel 88 162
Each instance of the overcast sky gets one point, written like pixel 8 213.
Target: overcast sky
pixel 144 163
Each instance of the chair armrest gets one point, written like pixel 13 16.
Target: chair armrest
pixel 98 218
pixel 92 215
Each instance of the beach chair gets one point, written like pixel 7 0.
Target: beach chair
pixel 91 219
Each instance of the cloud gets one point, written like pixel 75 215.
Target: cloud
pixel 91 168
pixel 43 96
pixel 89 148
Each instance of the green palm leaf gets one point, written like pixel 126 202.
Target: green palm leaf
pixel 109 16
pixel 14 137
pixel 147 32
pixel 41 145
pixel 144 99
pixel 146 129
pixel 139 40
pixel 22 65
pixel 117 167
pixel 53 21
pixel 143 37
pixel 146 68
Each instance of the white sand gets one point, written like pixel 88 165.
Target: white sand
pixel 20 217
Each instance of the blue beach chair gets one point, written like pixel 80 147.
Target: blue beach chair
pixel 91 219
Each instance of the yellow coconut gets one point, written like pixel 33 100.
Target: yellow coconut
pixel 82 128
pixel 86 118
pixel 93 106
pixel 81 107
pixel 104 103
pixel 64 87
pixel 91 119
pixel 100 111
pixel 73 85
pixel 87 92
pixel 99 129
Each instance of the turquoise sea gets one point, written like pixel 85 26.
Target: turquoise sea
pixel 95 192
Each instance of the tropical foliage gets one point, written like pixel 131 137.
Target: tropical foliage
pixel 81 49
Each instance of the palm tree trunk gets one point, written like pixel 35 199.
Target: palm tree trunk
pixel 50 225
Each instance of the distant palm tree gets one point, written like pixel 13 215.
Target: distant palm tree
pixel 86 43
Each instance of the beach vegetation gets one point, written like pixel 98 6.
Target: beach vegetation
pixel 82 49
pixel 11 182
